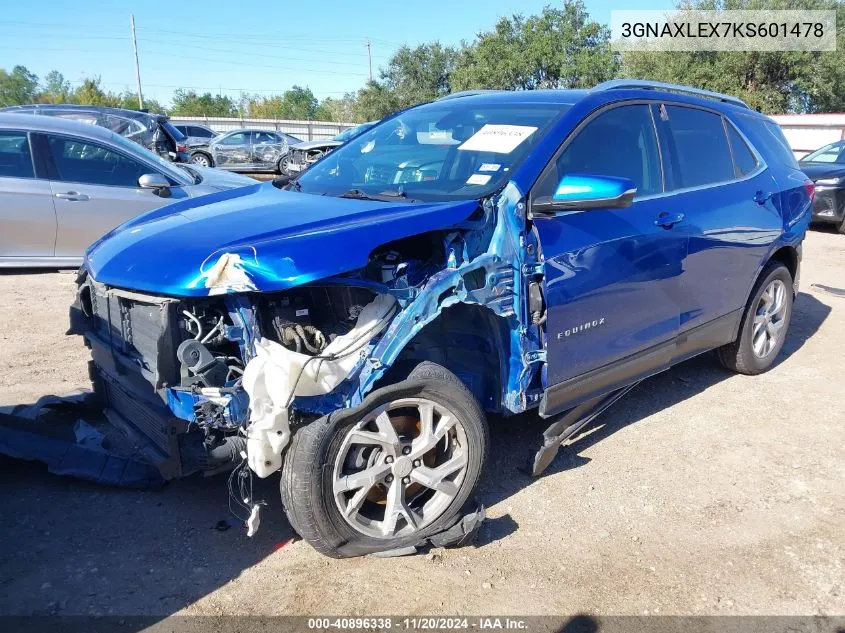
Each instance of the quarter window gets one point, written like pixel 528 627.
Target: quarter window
pixel 700 155
pixel 619 142
pixel 744 158
pixel 83 162
pixel 15 156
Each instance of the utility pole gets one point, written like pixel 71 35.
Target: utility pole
pixel 137 67
pixel 370 58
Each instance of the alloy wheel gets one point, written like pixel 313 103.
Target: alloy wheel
pixel 399 468
pixel 769 319
pixel 199 159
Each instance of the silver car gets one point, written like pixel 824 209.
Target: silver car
pixel 243 150
pixel 63 184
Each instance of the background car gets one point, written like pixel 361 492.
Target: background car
pixel 826 168
pixel 152 131
pixel 303 154
pixel 63 184
pixel 196 134
pixel 244 150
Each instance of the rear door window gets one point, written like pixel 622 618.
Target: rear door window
pixel 84 162
pixel 699 151
pixel 15 156
pixel 264 137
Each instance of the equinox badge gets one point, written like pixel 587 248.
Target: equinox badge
pixel 580 328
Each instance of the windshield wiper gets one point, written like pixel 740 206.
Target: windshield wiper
pixel 192 173
pixel 384 196
pixel 288 183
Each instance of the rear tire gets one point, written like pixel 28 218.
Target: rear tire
pixel 764 325
pixel 342 517
pixel 202 160
pixel 841 226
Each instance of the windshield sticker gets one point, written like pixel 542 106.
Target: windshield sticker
pixel 478 179
pixel 499 139
pixel 489 167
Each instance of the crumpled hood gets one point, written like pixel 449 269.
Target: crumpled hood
pixel 256 238
pixel 313 144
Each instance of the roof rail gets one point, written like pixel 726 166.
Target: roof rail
pixel 642 84
pixel 466 93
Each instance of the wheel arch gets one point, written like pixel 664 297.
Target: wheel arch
pixel 788 256
pixel 469 340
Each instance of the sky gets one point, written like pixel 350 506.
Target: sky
pixel 234 46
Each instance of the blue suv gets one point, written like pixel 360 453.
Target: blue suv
pixel 490 252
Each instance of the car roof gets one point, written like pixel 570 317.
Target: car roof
pixel 40 123
pixel 607 91
pixel 75 107
pixel 251 129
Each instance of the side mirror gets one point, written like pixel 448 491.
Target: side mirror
pixel 587 191
pixel 158 183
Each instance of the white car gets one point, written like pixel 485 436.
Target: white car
pixel 63 184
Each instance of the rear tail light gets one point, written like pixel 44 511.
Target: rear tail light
pixel 181 147
pixel 810 188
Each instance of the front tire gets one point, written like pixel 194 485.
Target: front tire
pixel 764 323
pixel 390 473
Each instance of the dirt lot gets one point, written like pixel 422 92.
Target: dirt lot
pixel 701 493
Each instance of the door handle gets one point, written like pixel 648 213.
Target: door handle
pixel 668 220
pixel 72 196
pixel 762 196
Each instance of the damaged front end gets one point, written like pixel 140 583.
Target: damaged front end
pixel 202 381
pixel 222 376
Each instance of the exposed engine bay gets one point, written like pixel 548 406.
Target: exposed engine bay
pixel 215 378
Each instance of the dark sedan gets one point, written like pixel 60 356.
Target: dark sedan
pixel 826 168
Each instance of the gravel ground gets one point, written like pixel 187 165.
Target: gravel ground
pixel 702 492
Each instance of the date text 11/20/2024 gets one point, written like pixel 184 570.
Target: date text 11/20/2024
pixel 420 623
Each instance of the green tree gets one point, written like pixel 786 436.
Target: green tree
pixel 340 110
pixel 56 89
pixel 559 48
pixel 774 82
pixel 18 87
pixel 90 92
pixel 375 101
pixel 297 103
pixel 415 75
pixel 189 103
pixel 129 101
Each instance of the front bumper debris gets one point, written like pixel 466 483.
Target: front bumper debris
pixel 70 436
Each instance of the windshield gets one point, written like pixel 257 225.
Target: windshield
pixel 350 132
pixel 167 167
pixel 833 153
pixel 451 150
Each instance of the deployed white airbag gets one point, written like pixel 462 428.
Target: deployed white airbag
pixel 271 377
